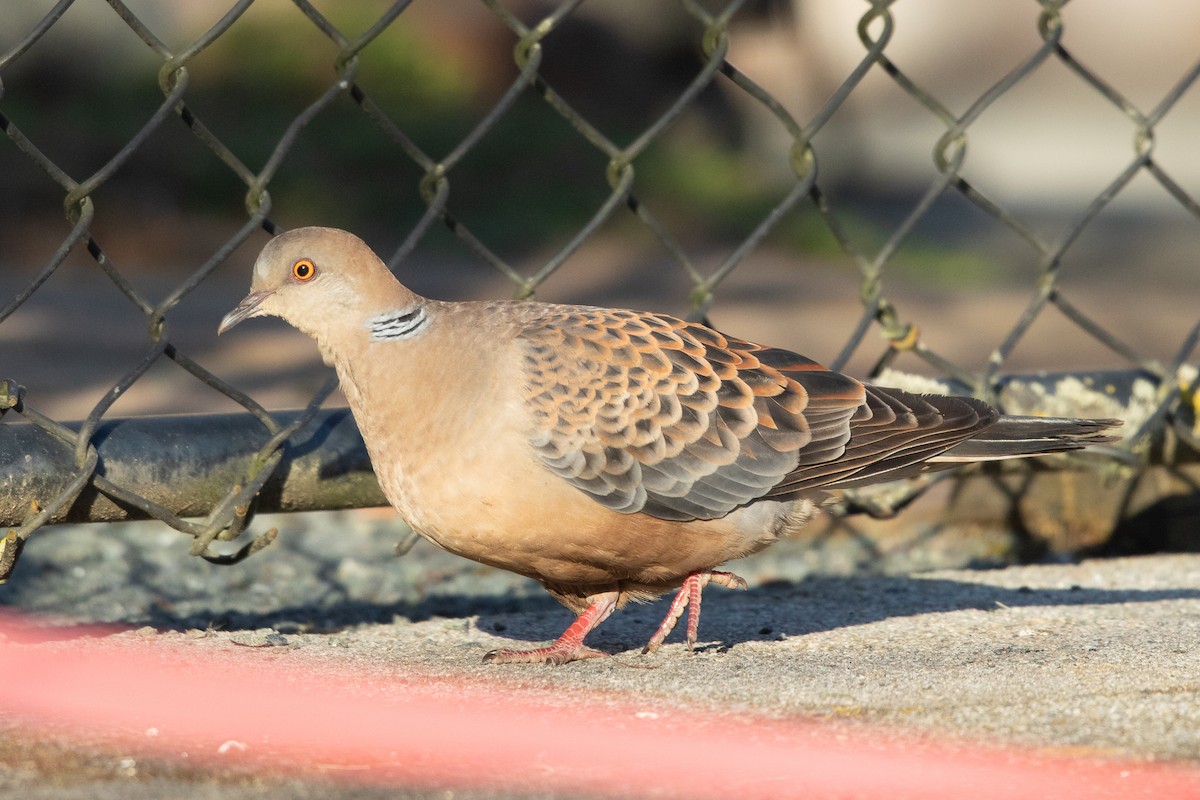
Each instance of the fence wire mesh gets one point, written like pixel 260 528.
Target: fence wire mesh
pixel 285 97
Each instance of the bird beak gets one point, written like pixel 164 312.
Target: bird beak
pixel 245 309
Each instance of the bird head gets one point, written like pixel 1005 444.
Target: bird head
pixel 315 279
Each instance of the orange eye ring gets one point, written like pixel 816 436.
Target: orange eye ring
pixel 304 270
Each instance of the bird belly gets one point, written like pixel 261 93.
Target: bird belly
pixel 527 520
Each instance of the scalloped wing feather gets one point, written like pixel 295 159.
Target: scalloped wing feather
pixel 646 412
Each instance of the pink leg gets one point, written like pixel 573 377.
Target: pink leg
pixel 568 647
pixel 689 596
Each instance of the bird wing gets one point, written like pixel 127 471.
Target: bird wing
pixel 646 412
pixel 892 436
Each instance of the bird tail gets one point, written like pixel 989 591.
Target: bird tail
pixel 1020 437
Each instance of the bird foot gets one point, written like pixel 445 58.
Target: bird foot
pixel 688 597
pixel 568 647
pixel 554 655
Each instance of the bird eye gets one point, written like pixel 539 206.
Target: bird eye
pixel 304 270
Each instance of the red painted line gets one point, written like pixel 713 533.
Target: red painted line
pixel 274 707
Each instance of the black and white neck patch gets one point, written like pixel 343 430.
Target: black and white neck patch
pixel 399 324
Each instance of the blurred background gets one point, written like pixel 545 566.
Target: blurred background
pixel 1042 151
pixel 932 186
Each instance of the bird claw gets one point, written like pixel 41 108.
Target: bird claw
pixel 554 655
pixel 688 597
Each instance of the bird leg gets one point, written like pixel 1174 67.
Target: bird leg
pixel 689 596
pixel 568 647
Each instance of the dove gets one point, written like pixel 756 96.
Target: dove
pixel 611 455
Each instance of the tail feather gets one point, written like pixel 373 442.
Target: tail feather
pixel 1018 437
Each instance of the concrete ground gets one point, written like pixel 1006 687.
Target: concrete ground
pixel 1095 659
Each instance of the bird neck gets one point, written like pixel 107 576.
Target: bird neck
pixel 380 309
pixel 383 354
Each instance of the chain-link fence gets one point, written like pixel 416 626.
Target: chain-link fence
pixel 714 156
